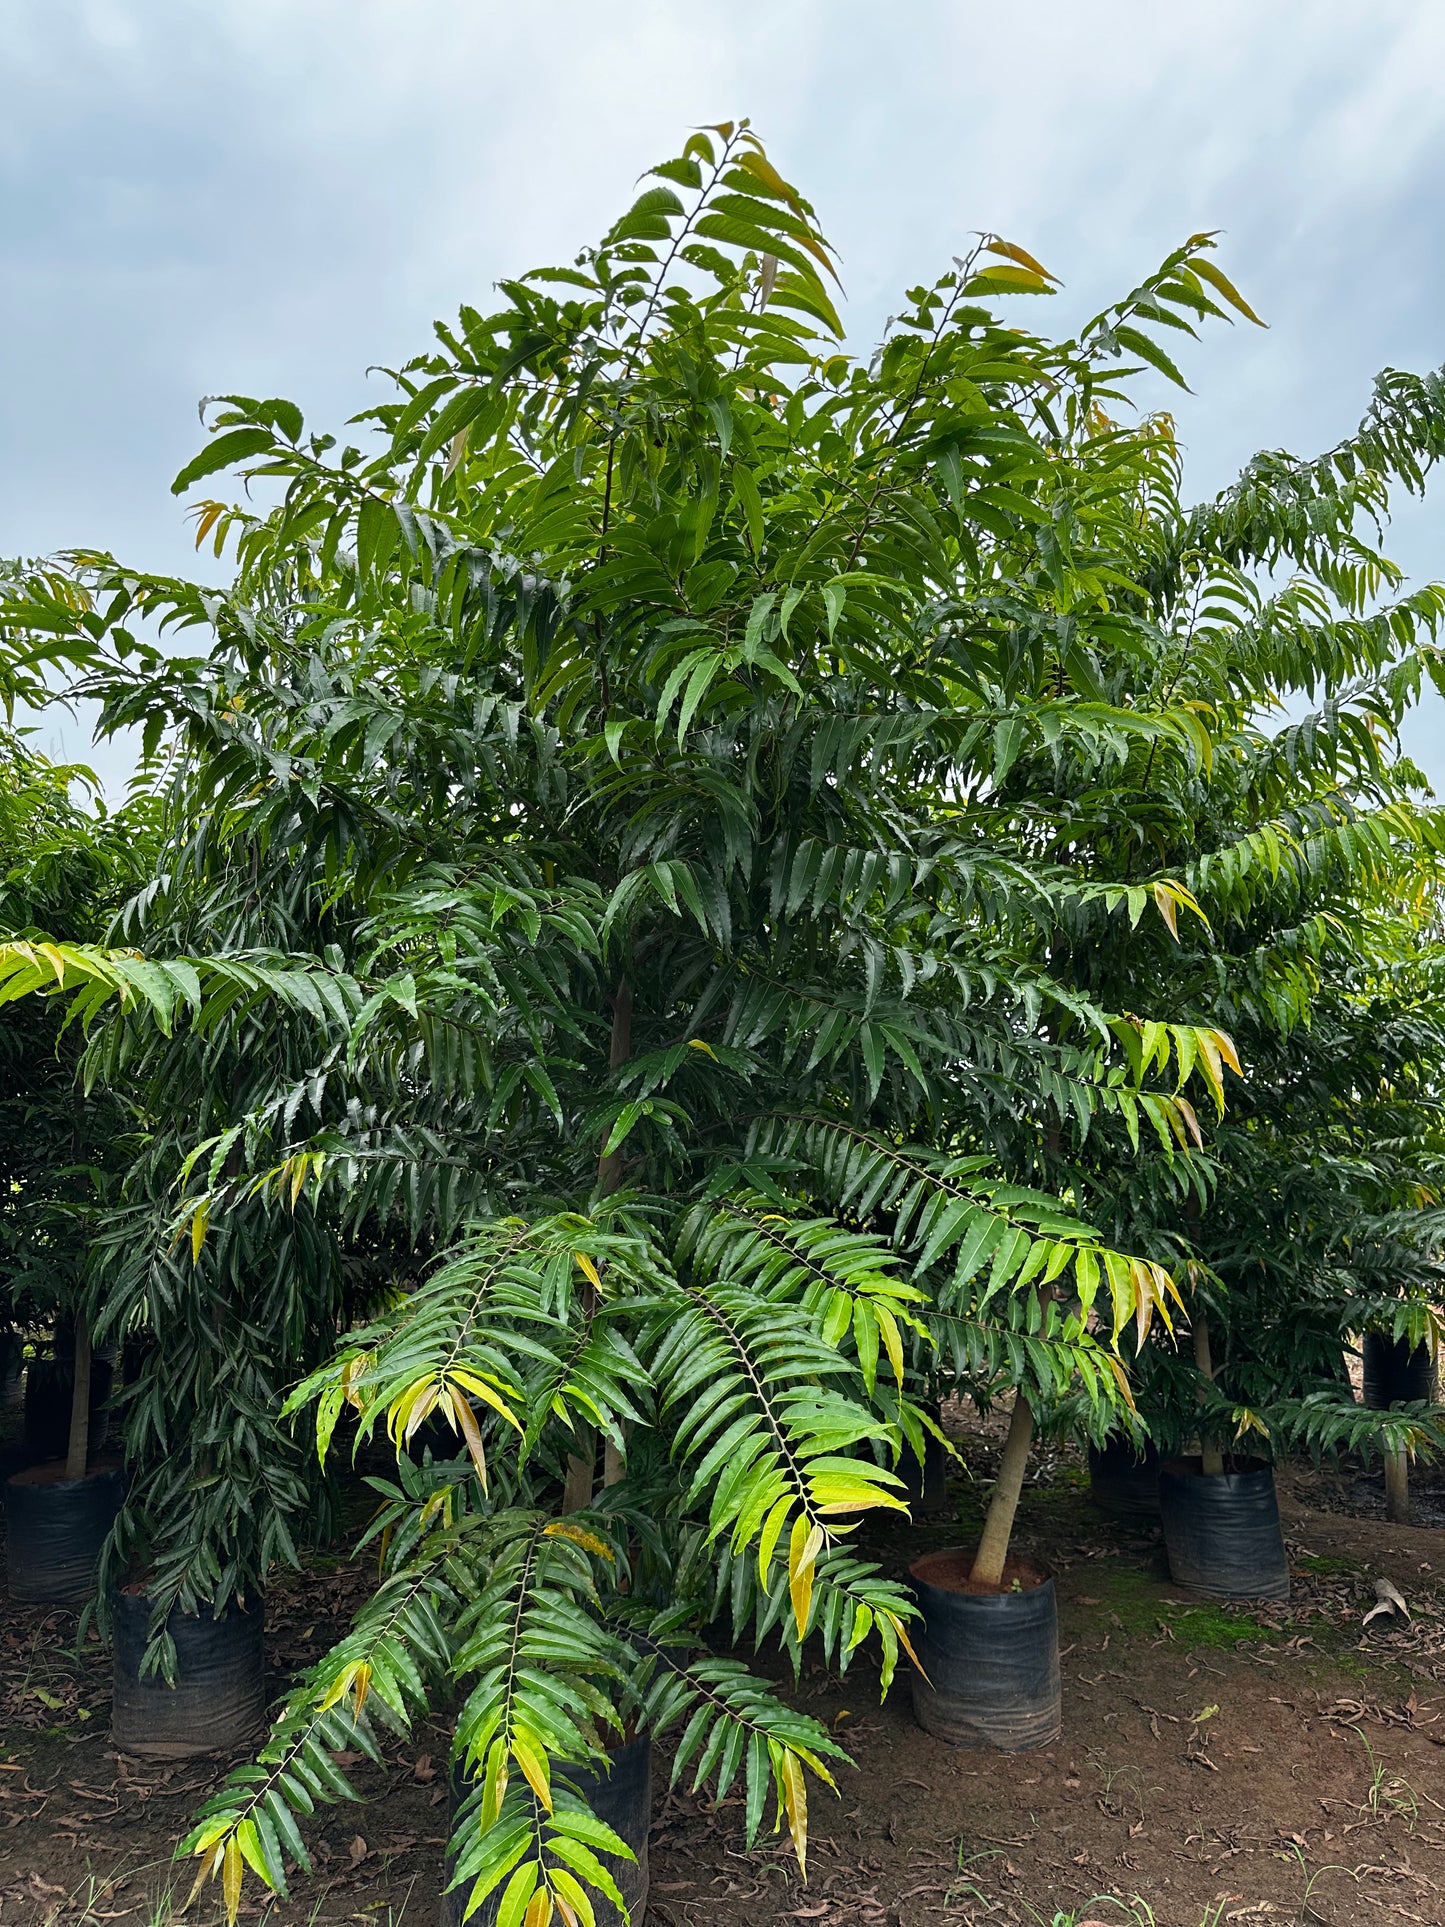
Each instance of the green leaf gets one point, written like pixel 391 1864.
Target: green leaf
pixel 745 492
pixel 222 452
pixel 1137 342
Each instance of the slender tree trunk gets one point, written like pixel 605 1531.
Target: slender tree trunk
pixel 582 1466
pixel 1210 1452
pixel 577 1489
pixel 609 1169
pixel 1397 1488
pixel 998 1526
pixel 1003 1505
pixel 77 1455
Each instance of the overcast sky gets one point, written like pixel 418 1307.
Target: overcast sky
pixel 266 196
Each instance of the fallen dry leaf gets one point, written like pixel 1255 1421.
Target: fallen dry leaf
pixel 358 1851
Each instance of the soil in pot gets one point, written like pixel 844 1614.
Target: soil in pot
pixel 1395 1372
pixel 621 1799
pixel 55 1528
pixel 1222 1530
pixel 1124 1480
pixel 218 1700
pixel 991 1654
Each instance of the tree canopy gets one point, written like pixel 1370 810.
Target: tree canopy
pixel 705 881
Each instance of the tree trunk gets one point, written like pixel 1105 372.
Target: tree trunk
pixel 581 1470
pixel 1210 1452
pixel 582 1466
pixel 998 1526
pixel 77 1456
pixel 1397 1488
pixel 609 1169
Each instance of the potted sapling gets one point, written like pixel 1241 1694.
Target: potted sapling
pixel 1397 1369
pixel 208 1518
pixel 988 1644
pixel 988 1641
pixel 60 1511
pixel 1219 1511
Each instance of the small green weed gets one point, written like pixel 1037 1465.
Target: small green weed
pixel 1310 1879
pixel 1124 1786
pixel 1390 1794
pixel 1134 1912
pixel 966 1890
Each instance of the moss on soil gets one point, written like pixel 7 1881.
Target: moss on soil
pixel 1132 1596
pixel 1320 1563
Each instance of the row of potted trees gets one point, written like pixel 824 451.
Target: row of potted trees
pixel 1220 1526
pixel 988 1670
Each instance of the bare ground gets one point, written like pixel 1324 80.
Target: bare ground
pixel 1276 1766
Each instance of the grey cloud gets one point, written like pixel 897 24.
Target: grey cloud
pixel 269 195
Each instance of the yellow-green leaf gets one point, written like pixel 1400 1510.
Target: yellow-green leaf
pixel 494 1784
pixel 1207 271
pixel 232 1873
pixel 803 1549
pixel 995 244
pixel 539 1910
pixel 533 1761
pixel 580 1536
pixel 795 1800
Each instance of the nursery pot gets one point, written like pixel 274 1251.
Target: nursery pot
pixel 1395 1372
pixel 925 1481
pixel 991 1658
pixel 621 1799
pixel 1222 1530
pixel 55 1528
pixel 1124 1479
pixel 218 1700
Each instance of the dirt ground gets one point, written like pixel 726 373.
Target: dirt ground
pixel 1218 1765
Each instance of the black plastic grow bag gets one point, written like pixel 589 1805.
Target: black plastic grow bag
pixel 1124 1479
pixel 991 1659
pixel 55 1529
pixel 621 1799
pixel 1222 1530
pixel 218 1701
pixel 1396 1372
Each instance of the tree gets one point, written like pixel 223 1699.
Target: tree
pixel 62 866
pixel 608 799
pixel 1309 857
